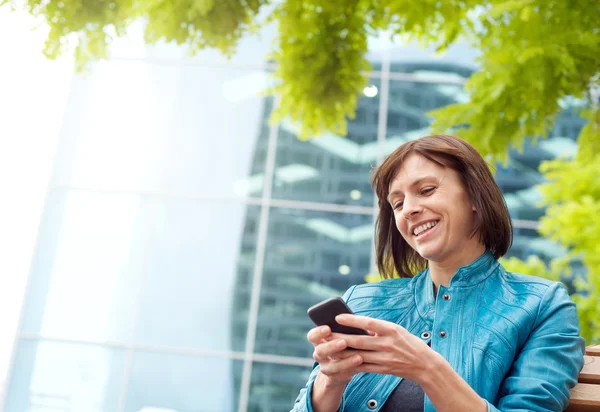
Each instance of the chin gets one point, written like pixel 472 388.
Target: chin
pixel 429 252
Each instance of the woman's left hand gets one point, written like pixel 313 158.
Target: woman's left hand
pixel 390 349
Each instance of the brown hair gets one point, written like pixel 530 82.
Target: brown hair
pixel 492 221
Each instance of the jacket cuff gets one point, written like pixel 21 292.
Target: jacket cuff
pixel 309 407
pixel 490 407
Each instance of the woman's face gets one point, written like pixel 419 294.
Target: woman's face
pixel 432 210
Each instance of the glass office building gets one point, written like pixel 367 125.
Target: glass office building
pixel 183 237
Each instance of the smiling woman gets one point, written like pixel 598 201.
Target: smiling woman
pixel 448 178
pixel 456 331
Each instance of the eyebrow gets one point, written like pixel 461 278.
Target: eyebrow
pixel 413 184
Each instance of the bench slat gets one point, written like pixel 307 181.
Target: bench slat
pixel 591 370
pixel 584 397
pixel 593 350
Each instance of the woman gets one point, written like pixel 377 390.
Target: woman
pixel 455 332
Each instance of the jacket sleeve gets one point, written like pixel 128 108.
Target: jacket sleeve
pixel 303 401
pixel 548 365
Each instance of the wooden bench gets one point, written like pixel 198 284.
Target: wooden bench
pixel 585 397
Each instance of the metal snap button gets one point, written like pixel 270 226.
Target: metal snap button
pixel 425 335
pixel 446 296
pixel 443 334
pixel 372 404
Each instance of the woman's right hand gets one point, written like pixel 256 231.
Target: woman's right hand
pixel 337 363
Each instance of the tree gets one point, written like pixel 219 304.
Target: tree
pixel 534 55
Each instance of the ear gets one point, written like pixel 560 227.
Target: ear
pixel 474 208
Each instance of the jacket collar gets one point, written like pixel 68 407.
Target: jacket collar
pixel 469 275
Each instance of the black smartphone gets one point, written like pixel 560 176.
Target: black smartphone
pixel 324 313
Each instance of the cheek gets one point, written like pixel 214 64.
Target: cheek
pixel 401 224
pixel 465 218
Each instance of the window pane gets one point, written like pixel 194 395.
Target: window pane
pixel 275 387
pixel 199 268
pixel 183 383
pixel 411 57
pixel 528 242
pixel 310 256
pixel 330 168
pixel 97 251
pixel 87 267
pixel 409 103
pixel 134 125
pixel 50 376
pixel 517 181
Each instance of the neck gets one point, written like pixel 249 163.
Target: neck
pixel 441 272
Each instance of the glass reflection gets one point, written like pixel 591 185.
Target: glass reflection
pixel 310 256
pixel 403 53
pixel 87 268
pixel 66 377
pixel 275 387
pixel 183 383
pixel 199 265
pixel 519 179
pixel 181 266
pixel 330 168
pixel 134 125
pixel 527 242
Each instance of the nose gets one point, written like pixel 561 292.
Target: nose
pixel 411 208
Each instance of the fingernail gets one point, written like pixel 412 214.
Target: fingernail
pixel 324 329
pixel 340 317
pixel 341 344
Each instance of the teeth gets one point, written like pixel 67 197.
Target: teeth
pixel 423 227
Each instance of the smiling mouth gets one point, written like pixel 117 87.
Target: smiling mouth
pixel 424 228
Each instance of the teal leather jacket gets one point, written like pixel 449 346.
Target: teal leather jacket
pixel 513 338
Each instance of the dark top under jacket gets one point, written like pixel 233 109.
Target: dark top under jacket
pixel 407 397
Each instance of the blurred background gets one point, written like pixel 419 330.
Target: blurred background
pixel 161 241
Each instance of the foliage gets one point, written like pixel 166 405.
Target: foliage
pixel 331 36
pixel 534 55
pixel 88 27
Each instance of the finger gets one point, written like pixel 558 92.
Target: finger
pixel 345 354
pixel 381 327
pixel 326 350
pixel 315 335
pixel 336 335
pixel 373 357
pixel 341 366
pixel 364 343
pixel 361 342
pixel 371 368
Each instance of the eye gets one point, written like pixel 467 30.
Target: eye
pixel 397 205
pixel 428 190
